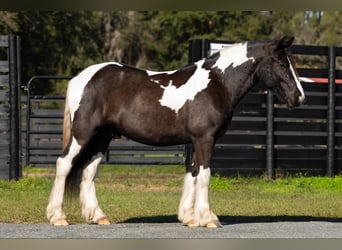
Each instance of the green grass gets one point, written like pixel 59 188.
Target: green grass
pixel 152 193
pixel 291 198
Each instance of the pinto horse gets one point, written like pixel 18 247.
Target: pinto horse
pixel 193 104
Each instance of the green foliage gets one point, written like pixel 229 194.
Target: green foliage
pixel 220 183
pixel 288 184
pixel 25 185
pixel 57 43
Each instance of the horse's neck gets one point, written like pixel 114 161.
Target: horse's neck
pixel 238 87
pixel 239 78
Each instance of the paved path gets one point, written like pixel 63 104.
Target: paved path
pixel 296 230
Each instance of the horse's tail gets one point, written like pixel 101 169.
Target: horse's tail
pixel 73 179
pixel 66 125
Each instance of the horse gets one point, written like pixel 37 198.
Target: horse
pixel 193 104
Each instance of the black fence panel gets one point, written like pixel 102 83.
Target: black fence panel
pixel 10 141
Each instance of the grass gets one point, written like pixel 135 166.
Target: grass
pixel 291 198
pixel 152 193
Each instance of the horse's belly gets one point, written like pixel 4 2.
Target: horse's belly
pixel 153 128
pixel 156 138
pixel 159 141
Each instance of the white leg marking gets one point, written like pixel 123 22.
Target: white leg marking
pixel 90 208
pixel 299 85
pixel 54 210
pixel 203 214
pixel 194 209
pixel 202 196
pixel 186 205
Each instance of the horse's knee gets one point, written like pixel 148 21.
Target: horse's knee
pixel 90 171
pixel 64 163
pixel 193 168
pixel 63 166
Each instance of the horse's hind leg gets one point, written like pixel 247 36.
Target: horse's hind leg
pixel 89 203
pixel 54 210
pixel 90 207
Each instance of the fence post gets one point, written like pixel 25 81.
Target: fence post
pixel 15 166
pixel 270 136
pixel 198 49
pixel 330 171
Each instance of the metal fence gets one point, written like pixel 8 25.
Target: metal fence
pixel 10 167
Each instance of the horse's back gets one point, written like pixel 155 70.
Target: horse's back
pixel 128 99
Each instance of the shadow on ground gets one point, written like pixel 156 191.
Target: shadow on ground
pixel 226 219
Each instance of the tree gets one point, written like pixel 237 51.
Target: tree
pixel 8 22
pixel 63 43
pixel 57 43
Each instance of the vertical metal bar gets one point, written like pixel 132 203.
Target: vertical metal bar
pixel 107 156
pixel 14 110
pixel 18 43
pixel 28 122
pixel 270 137
pixel 330 170
pixel 198 49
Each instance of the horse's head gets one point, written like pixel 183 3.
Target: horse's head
pixel 277 72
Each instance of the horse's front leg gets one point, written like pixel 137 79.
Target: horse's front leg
pixel 194 208
pixel 187 202
pixel 203 215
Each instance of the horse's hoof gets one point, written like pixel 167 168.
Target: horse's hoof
pixel 61 222
pixel 214 224
pixel 191 223
pixel 103 221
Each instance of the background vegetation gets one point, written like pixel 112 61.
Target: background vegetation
pixel 62 43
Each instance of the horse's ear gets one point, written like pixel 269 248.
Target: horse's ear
pixel 282 43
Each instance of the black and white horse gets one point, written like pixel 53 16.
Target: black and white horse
pixel 193 104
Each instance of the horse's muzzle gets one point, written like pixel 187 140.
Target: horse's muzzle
pixel 299 100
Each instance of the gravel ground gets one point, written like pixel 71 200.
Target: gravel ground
pixel 279 230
